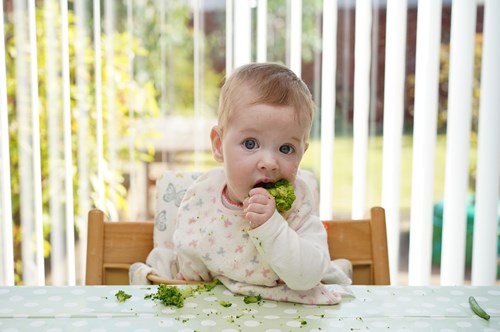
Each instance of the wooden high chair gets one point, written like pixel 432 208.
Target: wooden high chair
pixel 113 246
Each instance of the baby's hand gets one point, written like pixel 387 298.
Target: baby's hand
pixel 258 207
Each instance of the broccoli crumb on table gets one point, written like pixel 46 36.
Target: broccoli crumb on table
pixel 173 295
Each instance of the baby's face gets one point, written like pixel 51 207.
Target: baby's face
pixel 261 143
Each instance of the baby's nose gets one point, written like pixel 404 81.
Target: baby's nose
pixel 268 162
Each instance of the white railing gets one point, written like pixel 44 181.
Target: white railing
pixel 393 125
pixel 484 256
pixel 242 48
pixel 424 133
pixel 463 26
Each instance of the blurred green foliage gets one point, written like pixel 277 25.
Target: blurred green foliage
pixel 152 74
pixel 137 95
pixel 125 87
pixel 166 30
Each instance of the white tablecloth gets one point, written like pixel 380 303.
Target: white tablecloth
pixel 374 308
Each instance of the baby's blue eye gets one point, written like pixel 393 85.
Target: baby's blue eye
pixel 286 149
pixel 250 143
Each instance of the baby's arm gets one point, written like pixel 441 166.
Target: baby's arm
pixel 300 257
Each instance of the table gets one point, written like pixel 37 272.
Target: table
pixel 374 308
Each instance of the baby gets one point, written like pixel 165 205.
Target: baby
pixel 228 226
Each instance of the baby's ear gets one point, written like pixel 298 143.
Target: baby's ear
pixel 216 138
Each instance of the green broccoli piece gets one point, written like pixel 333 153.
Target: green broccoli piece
pixel 121 296
pixel 172 295
pixel 283 193
pixel 252 299
pixel 208 286
pixel 168 295
pixel 225 304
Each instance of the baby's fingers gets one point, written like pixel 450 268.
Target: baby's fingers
pixel 255 219
pixel 259 207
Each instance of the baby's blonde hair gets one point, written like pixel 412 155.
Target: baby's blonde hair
pixel 269 84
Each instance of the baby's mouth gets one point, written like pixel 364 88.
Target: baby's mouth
pixel 263 184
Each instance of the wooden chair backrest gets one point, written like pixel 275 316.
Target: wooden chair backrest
pixel 113 246
pixel 364 243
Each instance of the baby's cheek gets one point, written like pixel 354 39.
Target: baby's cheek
pixel 295 170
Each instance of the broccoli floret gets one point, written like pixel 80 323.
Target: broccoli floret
pixel 121 296
pixel 172 295
pixel 208 286
pixel 168 295
pixel 252 299
pixel 225 304
pixel 283 193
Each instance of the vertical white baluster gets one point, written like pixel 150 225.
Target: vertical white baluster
pixel 395 62
pixel 295 33
pixel 131 139
pixel 68 148
pixel 98 106
pixel 484 252
pixel 463 27
pixel 362 59
pixel 199 48
pixel 35 138
pixel 424 138
pixel 25 150
pixel 229 36
pixel 82 113
pixel 328 96
pixel 164 79
pixel 242 33
pixel 261 30
pixel 6 239
pixel 112 116
pixel 54 136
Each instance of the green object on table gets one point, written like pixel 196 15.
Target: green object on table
pixel 174 295
pixel 170 295
pixel 477 308
pixel 252 299
pixel 121 296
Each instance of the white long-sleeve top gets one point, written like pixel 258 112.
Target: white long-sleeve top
pixel 212 240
